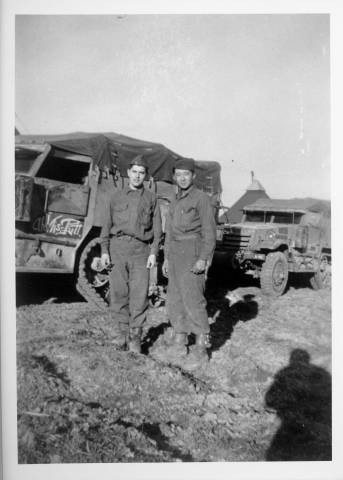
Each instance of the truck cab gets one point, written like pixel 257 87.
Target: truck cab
pixel 276 237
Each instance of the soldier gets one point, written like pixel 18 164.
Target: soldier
pixel 130 238
pixel 189 247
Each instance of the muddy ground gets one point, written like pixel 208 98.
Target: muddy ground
pixel 265 395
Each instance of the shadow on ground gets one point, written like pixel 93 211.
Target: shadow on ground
pixel 35 288
pixel 220 280
pixel 226 315
pixel 153 334
pixel 301 397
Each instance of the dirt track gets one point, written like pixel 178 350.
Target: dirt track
pixel 80 400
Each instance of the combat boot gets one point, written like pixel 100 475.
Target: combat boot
pixel 177 350
pixel 164 341
pixel 174 349
pixel 135 340
pixel 197 357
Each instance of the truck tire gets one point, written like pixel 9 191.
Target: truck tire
pixel 274 274
pixel 92 284
pixel 322 278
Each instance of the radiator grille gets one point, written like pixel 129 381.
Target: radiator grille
pixel 235 241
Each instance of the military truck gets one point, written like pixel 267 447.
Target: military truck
pixel 61 185
pixel 278 237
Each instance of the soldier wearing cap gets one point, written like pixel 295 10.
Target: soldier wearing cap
pixel 189 246
pixel 130 238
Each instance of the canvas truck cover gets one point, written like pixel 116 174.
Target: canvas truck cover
pixel 110 150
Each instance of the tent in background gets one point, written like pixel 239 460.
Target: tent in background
pixel 254 191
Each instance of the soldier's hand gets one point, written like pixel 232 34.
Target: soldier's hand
pixel 165 268
pixel 151 261
pixel 105 259
pixel 199 266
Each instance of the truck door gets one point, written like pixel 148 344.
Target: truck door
pixel 314 241
pixel 314 233
pixel 65 177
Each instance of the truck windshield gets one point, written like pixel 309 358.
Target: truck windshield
pixel 254 217
pixel 273 217
pixel 287 217
pixel 283 217
pixel 25 158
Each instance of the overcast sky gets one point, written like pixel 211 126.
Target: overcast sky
pixel 249 91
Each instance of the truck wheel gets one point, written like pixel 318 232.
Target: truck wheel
pixel 322 278
pixel 274 274
pixel 93 282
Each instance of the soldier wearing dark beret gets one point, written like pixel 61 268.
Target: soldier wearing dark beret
pixel 189 246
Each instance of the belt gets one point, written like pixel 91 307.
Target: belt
pixel 127 237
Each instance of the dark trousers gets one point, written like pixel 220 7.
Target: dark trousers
pixel 129 282
pixel 186 304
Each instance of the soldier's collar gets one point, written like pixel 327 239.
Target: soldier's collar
pixel 127 190
pixel 184 193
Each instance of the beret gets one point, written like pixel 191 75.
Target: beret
pixel 140 161
pixel 185 164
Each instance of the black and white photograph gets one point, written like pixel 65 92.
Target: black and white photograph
pixel 172 301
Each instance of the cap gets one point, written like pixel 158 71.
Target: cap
pixel 185 164
pixel 140 161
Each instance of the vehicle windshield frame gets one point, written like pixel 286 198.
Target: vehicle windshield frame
pixel 37 149
pixel 43 149
pixel 270 216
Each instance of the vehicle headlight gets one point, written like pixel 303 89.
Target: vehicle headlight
pixel 271 235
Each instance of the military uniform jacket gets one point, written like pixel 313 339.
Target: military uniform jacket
pixel 134 213
pixel 191 216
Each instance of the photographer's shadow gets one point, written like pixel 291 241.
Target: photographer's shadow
pixel 301 397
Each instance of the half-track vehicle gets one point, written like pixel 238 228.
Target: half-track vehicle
pixel 61 186
pixel 278 237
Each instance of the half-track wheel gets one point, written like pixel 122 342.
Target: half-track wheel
pixel 274 274
pixel 93 281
